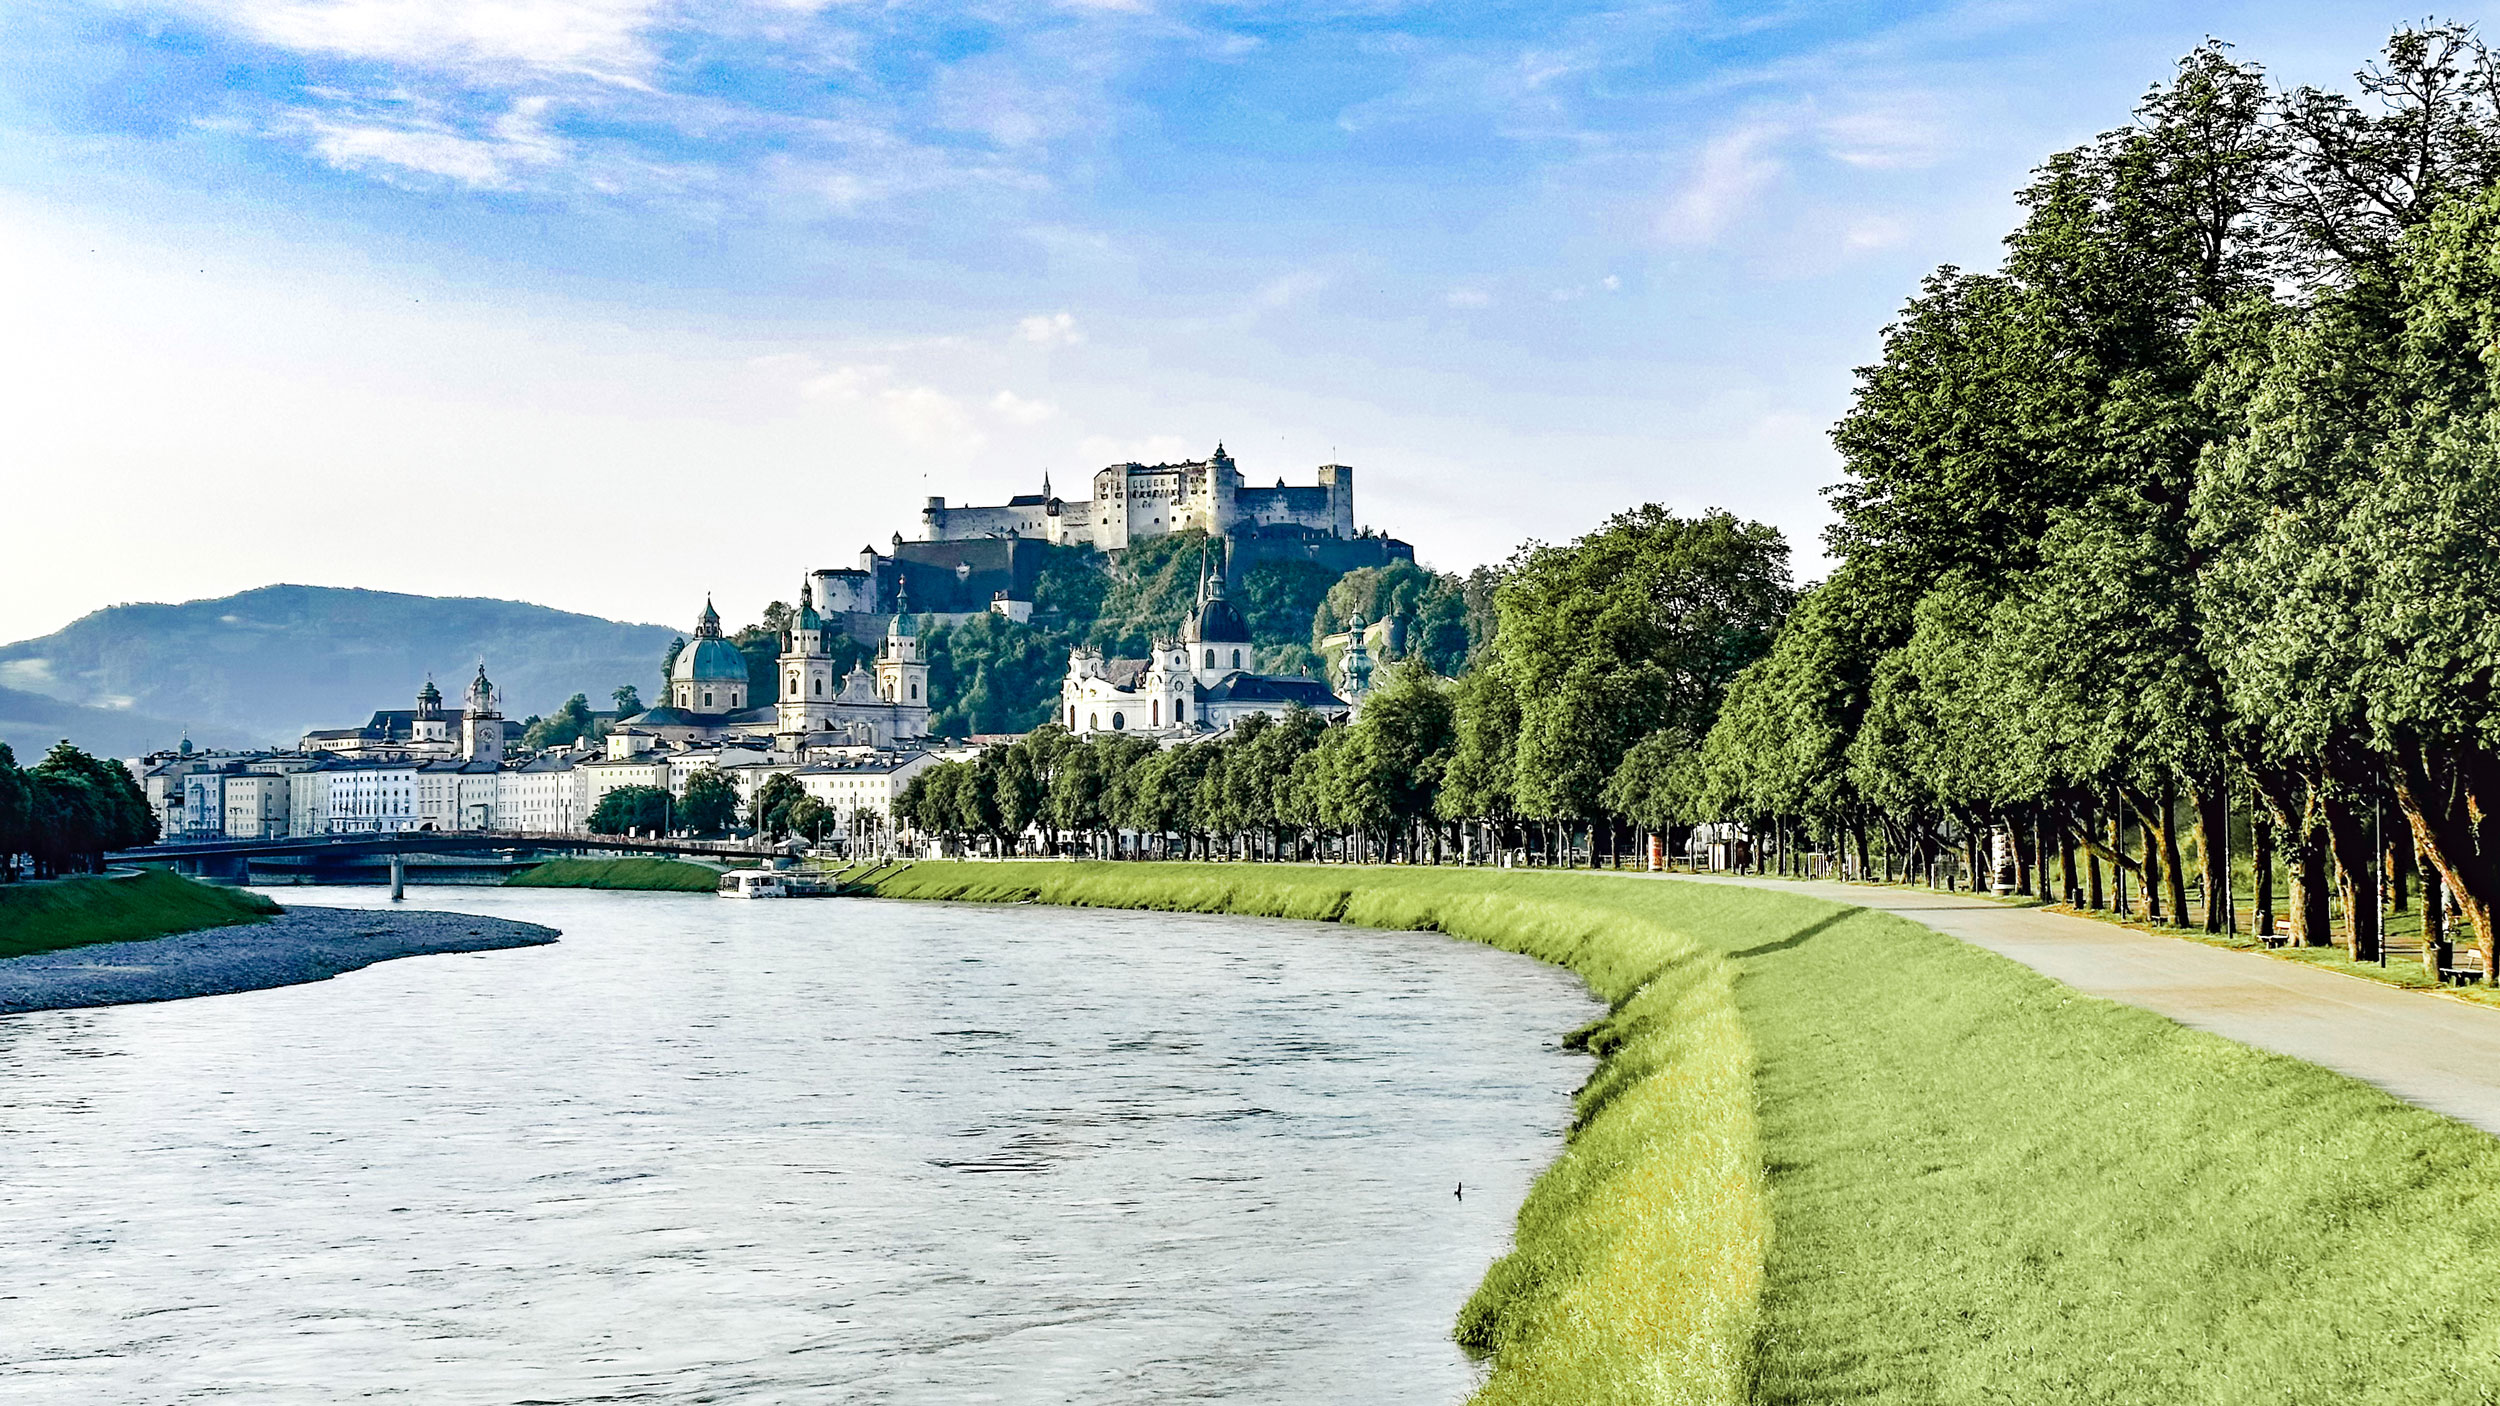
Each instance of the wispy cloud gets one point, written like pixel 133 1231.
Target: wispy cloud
pixel 1051 329
pixel 601 38
pixel 514 142
pixel 1733 171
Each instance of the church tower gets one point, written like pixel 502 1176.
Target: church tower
pixel 901 678
pixel 808 688
pixel 430 725
pixel 481 722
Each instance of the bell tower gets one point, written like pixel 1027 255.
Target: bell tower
pixel 808 688
pixel 902 679
pixel 481 722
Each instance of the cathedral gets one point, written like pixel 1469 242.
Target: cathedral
pixel 1199 683
pixel 708 688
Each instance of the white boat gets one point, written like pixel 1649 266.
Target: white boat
pixel 752 883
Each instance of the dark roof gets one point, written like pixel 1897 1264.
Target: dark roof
pixel 1125 673
pixel 1273 688
pixel 1219 623
pixel 668 715
pixel 1025 500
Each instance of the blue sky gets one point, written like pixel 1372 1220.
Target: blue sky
pixel 610 303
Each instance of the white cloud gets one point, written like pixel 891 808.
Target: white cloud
pixel 1734 169
pixel 1009 406
pixel 1873 232
pixel 1468 298
pixel 602 38
pixel 1050 330
pixel 1610 283
pixel 517 140
pixel 922 417
pixel 1289 289
pixel 1903 134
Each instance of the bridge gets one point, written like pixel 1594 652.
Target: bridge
pixel 448 856
pixel 375 842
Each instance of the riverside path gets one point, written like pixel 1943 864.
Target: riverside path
pixel 2432 1051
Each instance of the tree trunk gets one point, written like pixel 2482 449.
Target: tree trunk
pixel 2449 797
pixel 2261 867
pixel 2213 850
pixel 2348 838
pixel 2437 954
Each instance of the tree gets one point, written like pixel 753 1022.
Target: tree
pixel 565 726
pixel 17 814
pixel 628 700
pixel 1639 625
pixel 121 815
pixel 638 809
pixel 710 805
pixel 769 812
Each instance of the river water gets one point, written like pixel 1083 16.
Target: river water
pixel 836 1150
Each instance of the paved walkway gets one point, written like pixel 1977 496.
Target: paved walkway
pixel 2429 1050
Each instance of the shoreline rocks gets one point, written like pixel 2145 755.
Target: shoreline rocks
pixel 298 946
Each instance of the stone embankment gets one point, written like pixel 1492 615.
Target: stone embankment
pixel 299 945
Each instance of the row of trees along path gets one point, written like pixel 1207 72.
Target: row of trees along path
pixel 2182 515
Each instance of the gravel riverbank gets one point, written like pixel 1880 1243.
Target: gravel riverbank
pixel 299 945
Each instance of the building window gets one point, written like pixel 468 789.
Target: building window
pixel 1157 719
pixel 915 692
pixel 1210 658
pixel 1118 721
pixel 1236 658
pixel 707 700
pixel 820 688
pixel 1093 721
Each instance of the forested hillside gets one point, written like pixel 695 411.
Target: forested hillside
pixel 263 665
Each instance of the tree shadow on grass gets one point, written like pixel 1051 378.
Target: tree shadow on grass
pixel 1798 937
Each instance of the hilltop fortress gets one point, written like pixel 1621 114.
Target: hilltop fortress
pixel 1136 501
pixel 972 559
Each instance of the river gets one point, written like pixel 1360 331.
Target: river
pixel 831 1150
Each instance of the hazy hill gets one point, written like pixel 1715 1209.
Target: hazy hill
pixel 266 664
pixel 31 723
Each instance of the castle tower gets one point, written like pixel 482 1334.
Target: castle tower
pixel 808 688
pixel 901 678
pixel 481 722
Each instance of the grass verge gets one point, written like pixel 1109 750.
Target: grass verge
pixel 45 917
pixel 668 875
pixel 1831 1155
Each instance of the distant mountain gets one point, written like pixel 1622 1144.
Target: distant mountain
pixel 266 664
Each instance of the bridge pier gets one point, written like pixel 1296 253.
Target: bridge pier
pixel 399 876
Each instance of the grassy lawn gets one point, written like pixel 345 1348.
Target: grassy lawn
pixel 79 912
pixel 1831 1155
pixel 669 875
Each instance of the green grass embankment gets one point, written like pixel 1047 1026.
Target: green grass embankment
pixel 45 917
pixel 1830 1155
pixel 667 875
